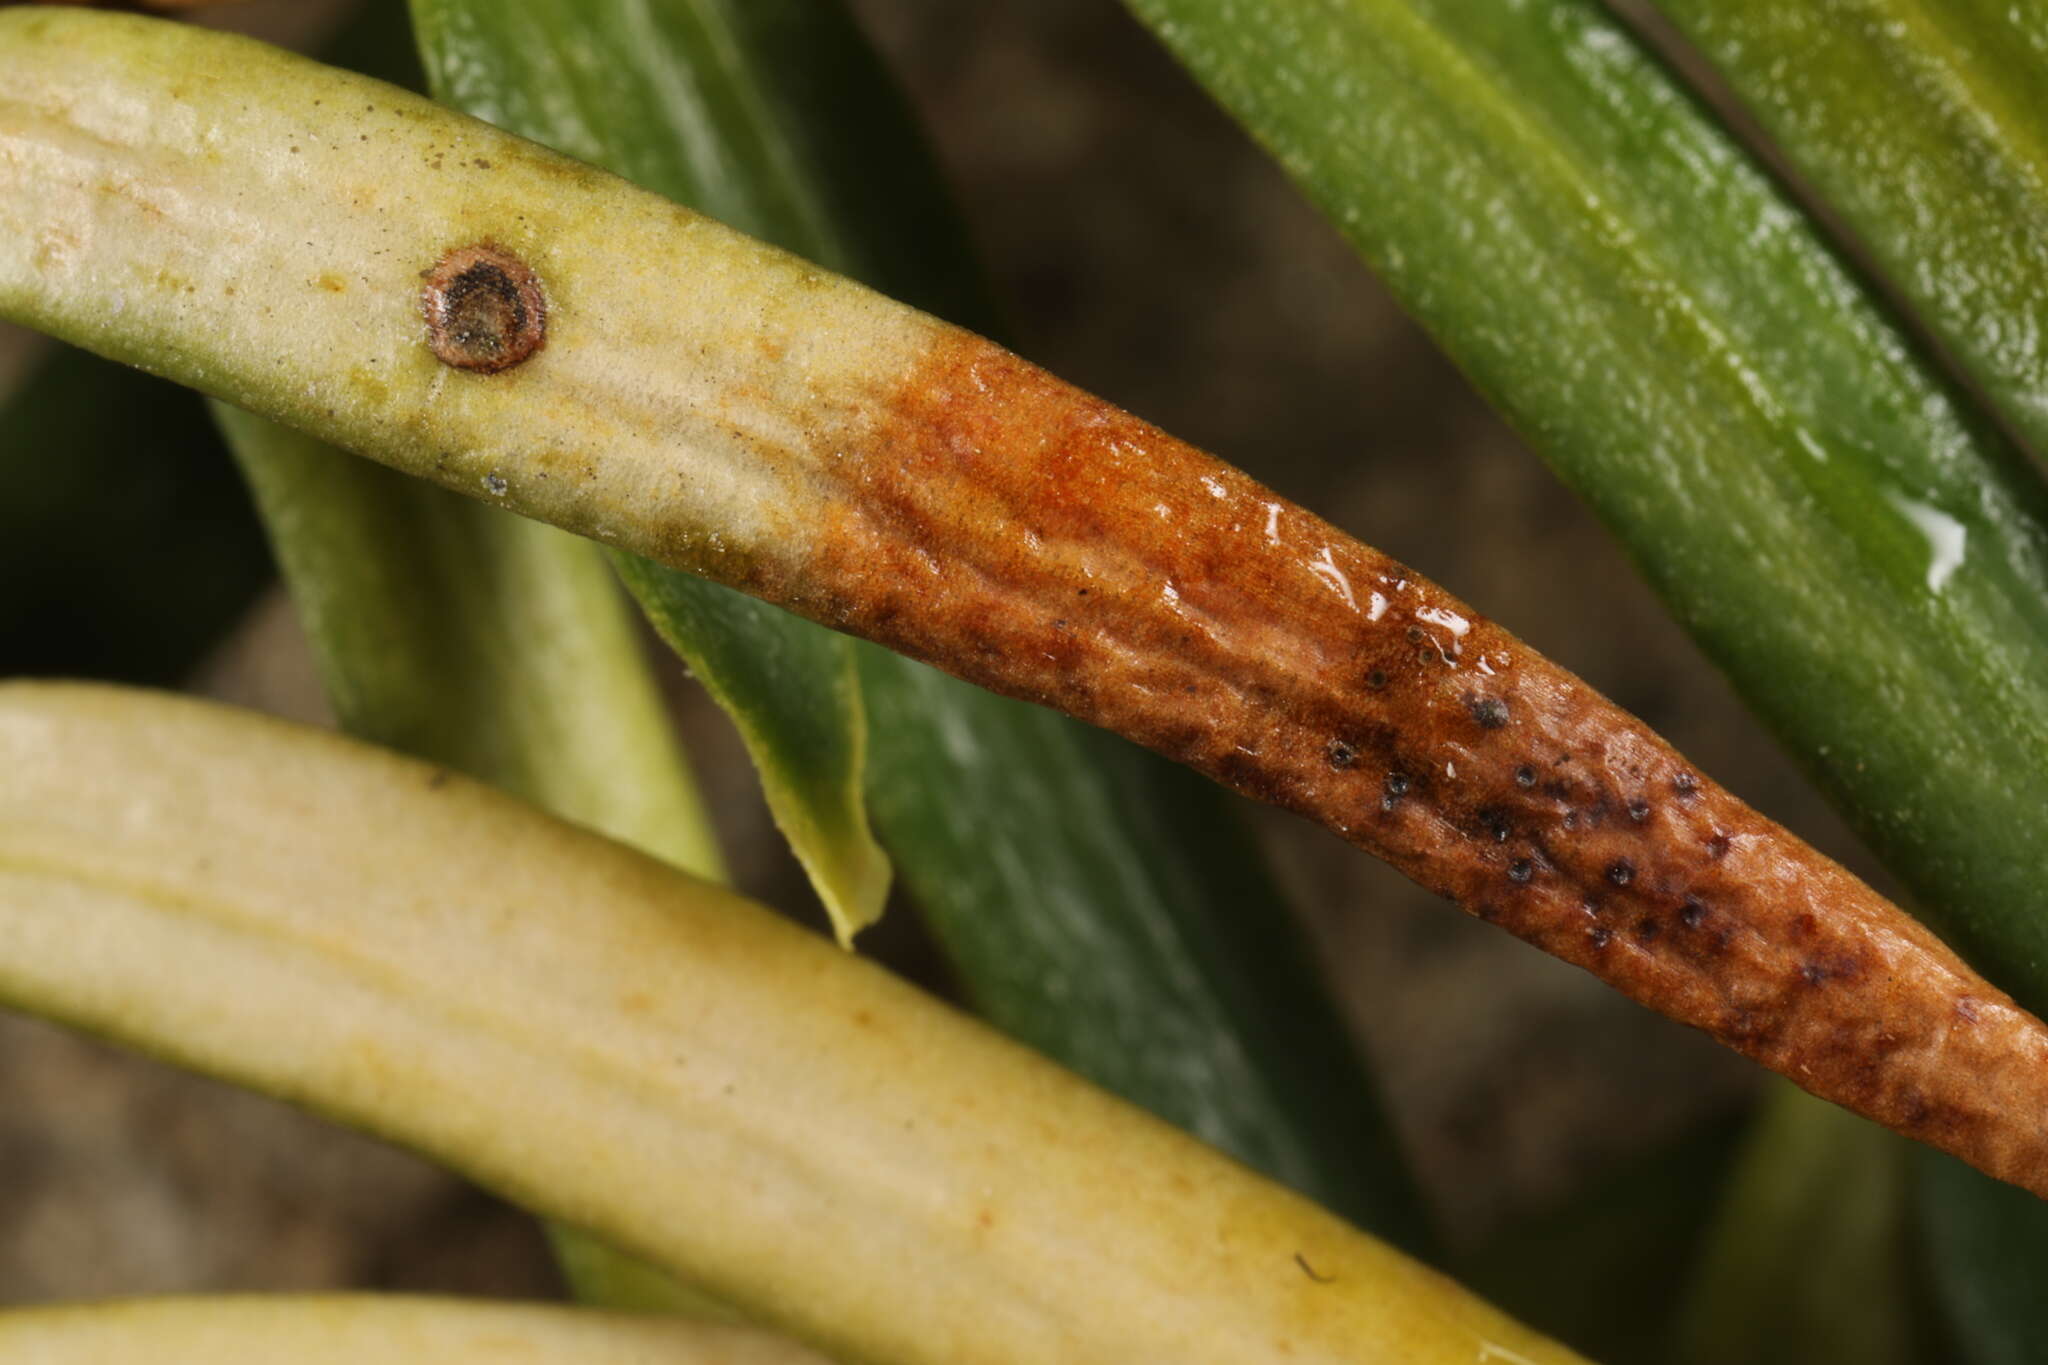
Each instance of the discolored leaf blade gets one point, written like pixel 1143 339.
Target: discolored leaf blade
pixel 679 1072
pixel 465 635
pixel 370 1330
pixel 886 474
pixel 1674 337
pixel 500 647
pixel 1097 903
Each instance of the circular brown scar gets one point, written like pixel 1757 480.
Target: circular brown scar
pixel 485 311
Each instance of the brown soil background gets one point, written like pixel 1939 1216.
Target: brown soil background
pixel 1146 250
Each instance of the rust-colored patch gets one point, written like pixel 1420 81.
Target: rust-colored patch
pixel 484 309
pixel 1039 542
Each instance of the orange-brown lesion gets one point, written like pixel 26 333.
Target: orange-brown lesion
pixel 1032 539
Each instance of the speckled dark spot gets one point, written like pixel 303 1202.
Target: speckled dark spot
pixel 1621 872
pixel 1340 754
pixel 1599 936
pixel 1377 679
pixel 1686 785
pixel 1495 822
pixel 1717 847
pixel 1639 810
pixel 1415 635
pixel 1693 912
pixel 1520 871
pixel 1397 784
pixel 1490 712
pixel 1525 777
pixel 1647 930
pixel 1571 819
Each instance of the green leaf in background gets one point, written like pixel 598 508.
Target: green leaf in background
pixel 606 83
pixel 773 116
pixel 1604 1271
pixel 1984 1256
pixel 1857 550
pixel 447 629
pixel 1098 903
pixel 1810 1258
pixel 795 697
pixel 1106 907
pixel 1925 127
pixel 127 545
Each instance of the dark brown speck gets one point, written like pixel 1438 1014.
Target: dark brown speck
pixel 1490 712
